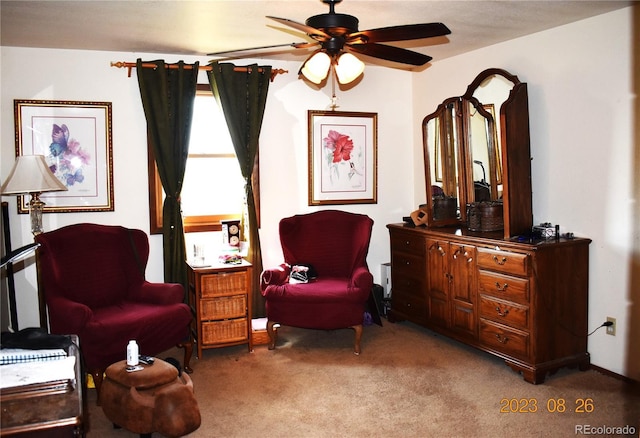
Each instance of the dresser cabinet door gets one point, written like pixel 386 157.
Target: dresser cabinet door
pixel 438 279
pixel 451 286
pixel 462 270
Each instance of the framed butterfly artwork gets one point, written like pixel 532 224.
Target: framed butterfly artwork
pixel 75 139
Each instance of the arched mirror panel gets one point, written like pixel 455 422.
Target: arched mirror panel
pixel 483 157
pixel 442 135
pixel 476 150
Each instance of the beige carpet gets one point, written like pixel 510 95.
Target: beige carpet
pixel 408 382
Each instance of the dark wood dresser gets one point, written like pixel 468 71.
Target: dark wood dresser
pixel 525 302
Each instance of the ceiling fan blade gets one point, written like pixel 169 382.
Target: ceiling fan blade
pixel 311 31
pixel 303 45
pixel 390 53
pixel 399 33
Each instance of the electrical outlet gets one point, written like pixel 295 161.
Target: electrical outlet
pixel 611 330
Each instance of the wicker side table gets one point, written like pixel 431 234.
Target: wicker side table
pixel 221 305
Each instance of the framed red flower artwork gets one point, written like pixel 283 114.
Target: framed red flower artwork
pixel 342 157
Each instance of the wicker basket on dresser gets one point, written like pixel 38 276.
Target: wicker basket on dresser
pixel 219 297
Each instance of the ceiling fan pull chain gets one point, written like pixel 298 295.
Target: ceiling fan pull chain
pixel 334 99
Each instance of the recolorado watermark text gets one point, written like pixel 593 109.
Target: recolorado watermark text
pixel 588 429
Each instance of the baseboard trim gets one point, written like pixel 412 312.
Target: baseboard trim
pixel 625 379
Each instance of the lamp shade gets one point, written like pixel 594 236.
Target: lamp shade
pixel 348 68
pixel 316 67
pixel 30 174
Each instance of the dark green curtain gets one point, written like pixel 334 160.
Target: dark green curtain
pixel 243 96
pixel 167 97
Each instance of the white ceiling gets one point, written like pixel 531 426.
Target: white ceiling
pixel 201 27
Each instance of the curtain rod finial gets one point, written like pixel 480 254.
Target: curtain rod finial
pixel 276 72
pixel 120 64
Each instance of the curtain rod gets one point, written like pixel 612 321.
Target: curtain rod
pixel 131 65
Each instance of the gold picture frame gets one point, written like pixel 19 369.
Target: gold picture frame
pixel 76 140
pixel 343 166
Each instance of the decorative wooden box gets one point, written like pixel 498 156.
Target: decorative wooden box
pixel 259 333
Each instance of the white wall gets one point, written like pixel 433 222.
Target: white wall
pixel 66 75
pixel 581 101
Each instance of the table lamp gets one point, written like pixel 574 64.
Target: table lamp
pixel 31 175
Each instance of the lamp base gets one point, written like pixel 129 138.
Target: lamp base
pixel 36 207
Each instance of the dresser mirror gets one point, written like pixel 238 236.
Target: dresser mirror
pixel 484 164
pixel 441 132
pixel 476 148
pixel 492 87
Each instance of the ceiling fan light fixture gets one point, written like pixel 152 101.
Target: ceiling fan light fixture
pixel 316 67
pixel 348 68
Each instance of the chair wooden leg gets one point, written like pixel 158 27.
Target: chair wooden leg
pixel 188 351
pixel 273 334
pixel 358 330
pixel 97 375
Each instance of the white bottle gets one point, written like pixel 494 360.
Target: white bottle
pixel 132 353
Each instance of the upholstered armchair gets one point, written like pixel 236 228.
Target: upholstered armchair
pixel 335 245
pixel 92 278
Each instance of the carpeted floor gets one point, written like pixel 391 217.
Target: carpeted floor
pixel 408 382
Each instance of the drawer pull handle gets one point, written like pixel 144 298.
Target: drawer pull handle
pixel 502 340
pixel 502 287
pixel 501 261
pixel 501 313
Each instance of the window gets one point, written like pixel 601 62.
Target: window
pixel 213 188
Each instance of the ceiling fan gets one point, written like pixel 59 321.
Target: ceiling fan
pixel 338 36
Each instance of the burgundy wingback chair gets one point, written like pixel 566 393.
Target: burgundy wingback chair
pixel 92 278
pixel 335 243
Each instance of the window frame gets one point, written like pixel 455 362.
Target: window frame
pixel 191 224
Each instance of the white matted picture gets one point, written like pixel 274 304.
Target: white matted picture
pixel 75 139
pixel 342 157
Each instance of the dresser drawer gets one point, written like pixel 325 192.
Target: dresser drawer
pixel 407 284
pixel 407 265
pixel 504 286
pixel 503 261
pixel 223 307
pixel 410 305
pixel 223 283
pixel 408 243
pixel 505 312
pixel 504 339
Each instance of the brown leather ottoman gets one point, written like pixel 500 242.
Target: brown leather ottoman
pixel 155 399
